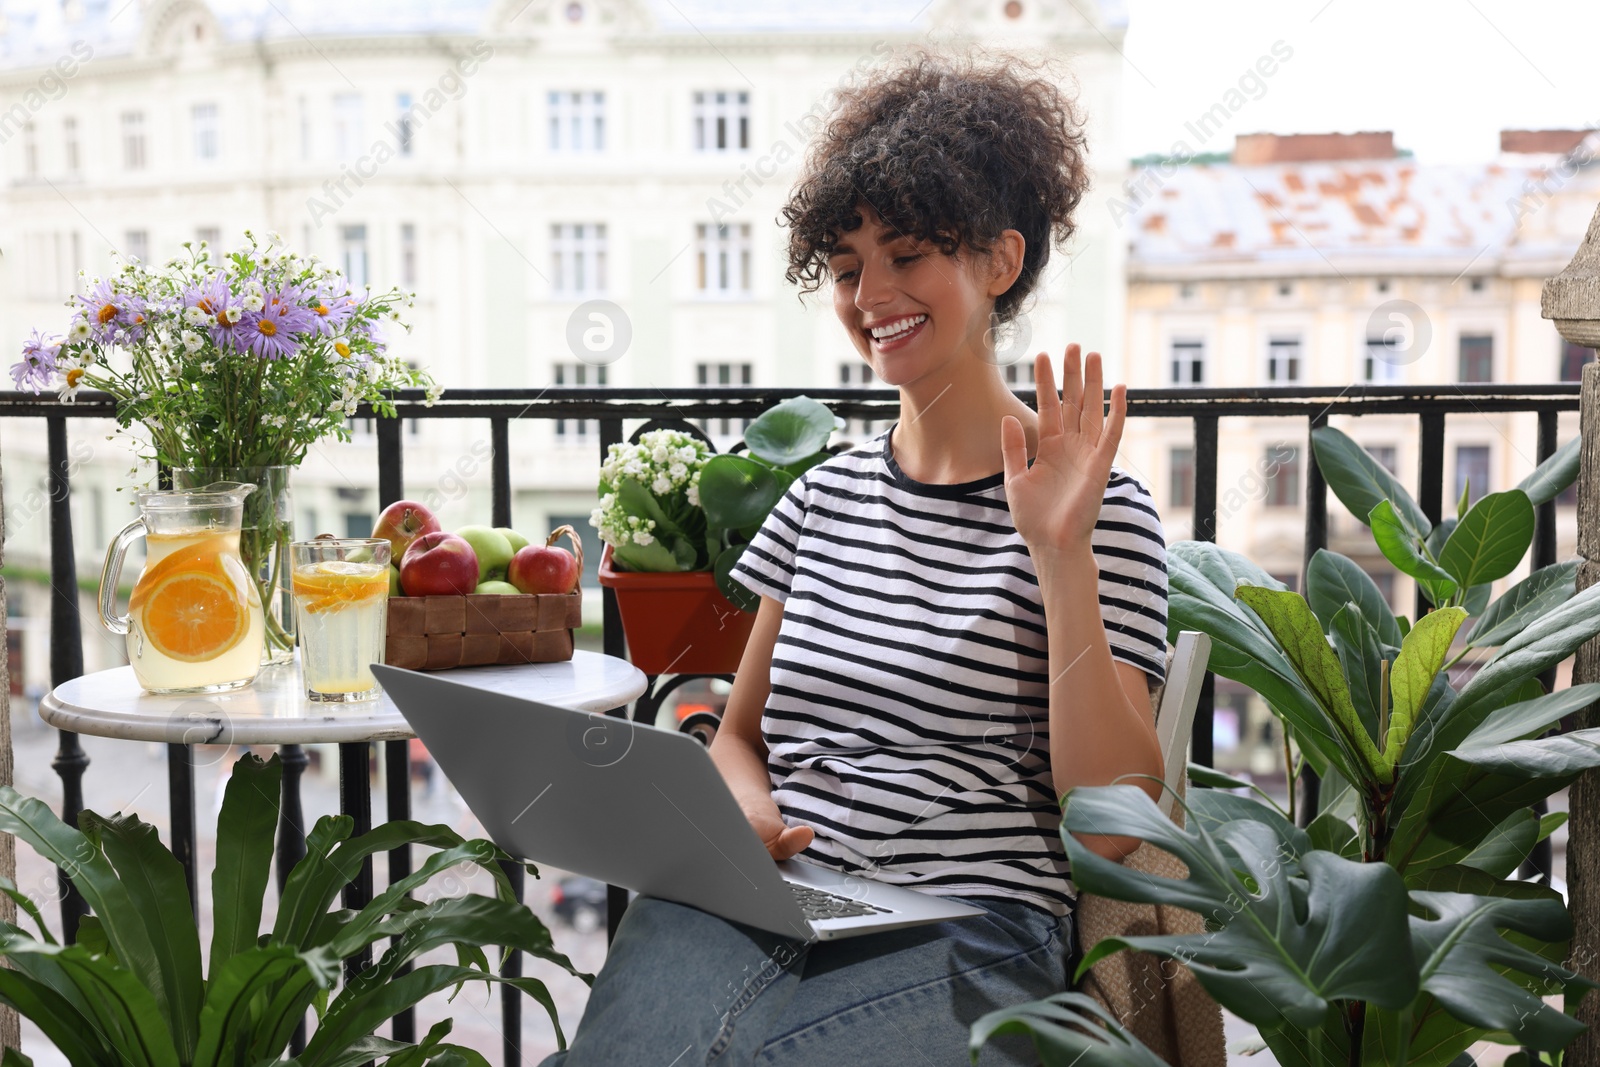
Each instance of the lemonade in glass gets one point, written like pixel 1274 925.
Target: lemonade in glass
pixel 341 603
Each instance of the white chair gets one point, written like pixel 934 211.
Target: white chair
pixel 1176 701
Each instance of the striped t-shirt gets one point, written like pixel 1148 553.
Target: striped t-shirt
pixel 908 722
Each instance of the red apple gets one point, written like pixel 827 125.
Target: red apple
pixel 439 564
pixel 402 523
pixel 544 568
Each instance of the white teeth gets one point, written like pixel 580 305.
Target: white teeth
pixel 895 329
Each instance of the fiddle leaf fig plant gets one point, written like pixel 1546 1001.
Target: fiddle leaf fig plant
pixel 132 989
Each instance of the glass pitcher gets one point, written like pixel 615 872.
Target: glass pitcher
pixel 194 622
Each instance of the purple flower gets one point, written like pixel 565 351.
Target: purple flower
pixel 273 332
pixel 331 310
pixel 114 317
pixel 211 301
pixel 37 367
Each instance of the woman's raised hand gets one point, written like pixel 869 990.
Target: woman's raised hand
pixel 1056 502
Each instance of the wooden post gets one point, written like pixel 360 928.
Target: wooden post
pixel 1572 299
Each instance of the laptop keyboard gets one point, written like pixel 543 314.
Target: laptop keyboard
pixel 820 904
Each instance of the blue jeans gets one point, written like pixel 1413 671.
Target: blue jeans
pixel 683 987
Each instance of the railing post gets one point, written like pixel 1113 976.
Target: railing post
pixel 612 644
pixel 1430 481
pixel 66 652
pixel 500 512
pixel 1316 540
pixel 1205 529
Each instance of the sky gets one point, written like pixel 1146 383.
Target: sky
pixel 1445 75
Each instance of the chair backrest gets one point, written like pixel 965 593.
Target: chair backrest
pixel 1179 696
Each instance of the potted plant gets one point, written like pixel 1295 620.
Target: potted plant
pixel 675 519
pixel 132 990
pixel 233 369
pixel 1391 929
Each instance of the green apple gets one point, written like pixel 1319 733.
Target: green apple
pixel 394 581
pixel 516 539
pixel 498 588
pixel 493 550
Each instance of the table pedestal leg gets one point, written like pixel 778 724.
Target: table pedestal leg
pixel 180 796
pixel 397 787
pixel 291 842
pixel 69 764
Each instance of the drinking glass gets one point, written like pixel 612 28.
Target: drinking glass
pixel 341 605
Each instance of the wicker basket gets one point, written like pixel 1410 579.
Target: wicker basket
pixel 435 633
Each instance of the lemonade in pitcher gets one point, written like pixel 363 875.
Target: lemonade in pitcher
pixel 194 621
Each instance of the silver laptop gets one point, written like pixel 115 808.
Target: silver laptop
pixel 637 807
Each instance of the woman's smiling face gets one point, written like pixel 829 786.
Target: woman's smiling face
pixel 910 309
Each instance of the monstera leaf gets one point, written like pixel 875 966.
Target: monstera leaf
pixel 1068 1029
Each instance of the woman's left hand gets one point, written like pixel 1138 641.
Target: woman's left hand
pixel 1056 502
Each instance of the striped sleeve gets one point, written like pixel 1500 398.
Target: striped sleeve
pixel 1131 550
pixel 767 565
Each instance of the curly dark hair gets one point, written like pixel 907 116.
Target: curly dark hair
pixel 948 150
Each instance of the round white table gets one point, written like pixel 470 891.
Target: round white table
pixel 273 710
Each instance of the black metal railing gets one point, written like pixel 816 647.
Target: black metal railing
pixel 614 408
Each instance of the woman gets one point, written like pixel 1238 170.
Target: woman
pixel 926 675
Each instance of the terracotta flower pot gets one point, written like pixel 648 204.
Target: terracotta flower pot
pixel 677 623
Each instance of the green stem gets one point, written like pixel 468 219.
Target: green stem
pixel 1405 1039
pixel 1289 771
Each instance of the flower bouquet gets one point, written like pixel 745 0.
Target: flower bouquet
pixel 668 505
pixel 233 370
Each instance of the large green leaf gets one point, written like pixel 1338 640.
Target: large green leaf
pixel 1332 581
pixel 1459 947
pixel 1526 718
pixel 736 592
pixel 226 1019
pixel 654 558
pixel 1317 666
pixel 1551 478
pixel 303 901
pixel 26 904
pixel 790 432
pixel 1530 599
pixel 1291 932
pixel 1068 1029
pixel 245 828
pixel 736 491
pixel 32 822
pixel 1507 845
pixel 1491 540
pixel 156 884
pixel 1441 533
pixel 1362 661
pixel 1458 806
pixel 1544 757
pixel 1547 641
pixel 1201 582
pixel 68 1029
pixel 1421 656
pixel 1359 481
pixel 1401 546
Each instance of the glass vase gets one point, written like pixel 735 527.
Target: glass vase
pixel 264 537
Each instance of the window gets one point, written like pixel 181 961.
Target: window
pixel 1188 362
pixel 1472 472
pixel 358 524
pixel 1180 464
pixel 1477 358
pixel 133 140
pixel 405 131
pixel 577 121
pixel 722 254
pixel 578 431
pixel 211 235
pixel 1282 468
pixel 408 253
pixel 1290 579
pixel 1573 357
pixel 1283 361
pixel 1385 583
pixel 1382 365
pixel 353 254
pixel 1386 455
pixel 305 128
pixel 69 144
pixel 589 538
pixel 721 121
pixel 1019 374
pixel 30 150
pixel 204 119
pixel 722 374
pixel 578 258
pixel 136 245
pixel 856 374
pixel 347 125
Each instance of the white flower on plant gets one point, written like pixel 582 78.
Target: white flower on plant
pixel 233 313
pixel 79 331
pixel 193 316
pixel 661 486
pixel 642 538
pixel 71 381
pixel 659 454
pixel 254 301
pixel 694 495
pixel 678 472
pixel 192 341
pixel 165 347
pixel 208 366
